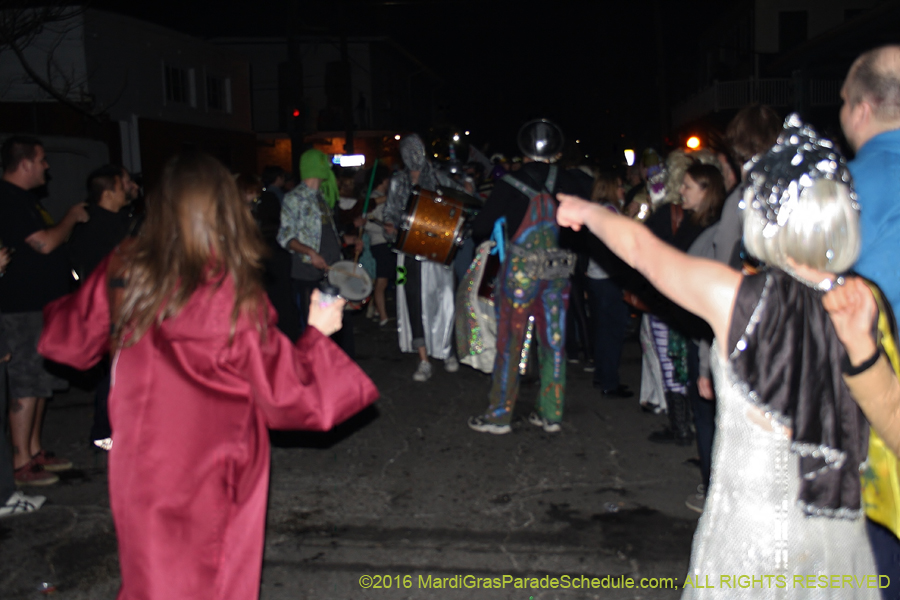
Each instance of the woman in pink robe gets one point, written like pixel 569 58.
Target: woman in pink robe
pixel 196 387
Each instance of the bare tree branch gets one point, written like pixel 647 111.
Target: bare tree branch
pixel 20 25
pixel 48 87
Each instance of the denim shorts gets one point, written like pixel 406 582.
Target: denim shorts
pixel 27 376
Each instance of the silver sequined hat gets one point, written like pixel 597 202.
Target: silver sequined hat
pixel 778 177
pixel 412 151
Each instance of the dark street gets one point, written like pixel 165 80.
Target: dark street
pixel 408 489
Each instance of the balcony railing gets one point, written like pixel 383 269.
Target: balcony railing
pixel 731 95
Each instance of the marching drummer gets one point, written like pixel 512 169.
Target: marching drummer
pixel 309 232
pixel 424 328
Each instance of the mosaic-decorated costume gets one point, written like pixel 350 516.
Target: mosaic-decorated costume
pixel 532 303
pixel 531 298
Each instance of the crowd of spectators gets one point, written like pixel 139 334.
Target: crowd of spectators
pixel 689 201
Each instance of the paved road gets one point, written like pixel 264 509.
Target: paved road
pixel 406 489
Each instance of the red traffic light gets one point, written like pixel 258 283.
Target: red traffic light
pixel 296 113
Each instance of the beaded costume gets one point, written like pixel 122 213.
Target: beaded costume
pixel 784 507
pixel 753 522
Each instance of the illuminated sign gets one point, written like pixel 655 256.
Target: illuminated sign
pixel 349 160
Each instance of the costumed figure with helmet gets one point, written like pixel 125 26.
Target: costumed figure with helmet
pixel 532 290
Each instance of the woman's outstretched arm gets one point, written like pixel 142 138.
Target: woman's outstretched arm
pixel 704 287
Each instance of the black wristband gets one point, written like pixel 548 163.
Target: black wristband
pixel 851 371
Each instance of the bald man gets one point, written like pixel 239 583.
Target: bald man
pixel 870 118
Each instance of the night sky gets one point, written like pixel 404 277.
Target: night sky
pixel 590 65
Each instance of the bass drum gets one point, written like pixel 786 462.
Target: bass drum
pixel 354 283
pixel 433 225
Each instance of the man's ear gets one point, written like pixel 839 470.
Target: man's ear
pixel 861 115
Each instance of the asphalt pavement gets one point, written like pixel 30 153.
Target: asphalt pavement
pixel 406 502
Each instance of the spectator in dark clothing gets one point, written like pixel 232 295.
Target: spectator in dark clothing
pixel 266 209
pixel 608 312
pixel 91 242
pixel 702 192
pixel 39 273
pixel 273 180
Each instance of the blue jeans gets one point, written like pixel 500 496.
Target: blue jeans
pixel 608 318
pixel 704 414
pixel 886 548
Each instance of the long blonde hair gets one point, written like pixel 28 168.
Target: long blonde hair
pixel 198 230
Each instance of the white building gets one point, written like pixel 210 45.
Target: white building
pixel 154 91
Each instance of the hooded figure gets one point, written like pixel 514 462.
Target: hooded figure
pixel 425 320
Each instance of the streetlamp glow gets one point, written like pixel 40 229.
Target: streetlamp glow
pixel 397 137
pixel 693 142
pixel 629 157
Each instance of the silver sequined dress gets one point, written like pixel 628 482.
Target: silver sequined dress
pixel 751 524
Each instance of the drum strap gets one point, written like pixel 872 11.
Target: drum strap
pixel 549 185
pixel 520 186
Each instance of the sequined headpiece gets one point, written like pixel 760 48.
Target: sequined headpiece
pixel 798 158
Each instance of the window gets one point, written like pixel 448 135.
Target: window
pixel 179 85
pixel 218 93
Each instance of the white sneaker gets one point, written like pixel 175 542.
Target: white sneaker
pixel 539 421
pixel 423 373
pixel 482 425
pixel 19 504
pixel 451 365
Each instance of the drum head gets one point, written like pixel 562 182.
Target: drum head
pixel 353 281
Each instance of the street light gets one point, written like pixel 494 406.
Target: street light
pixel 629 157
pixel 455 137
pixel 397 137
pixel 693 142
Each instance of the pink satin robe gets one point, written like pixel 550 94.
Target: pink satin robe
pixel 190 413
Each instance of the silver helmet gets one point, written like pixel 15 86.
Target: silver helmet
pixel 541 140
